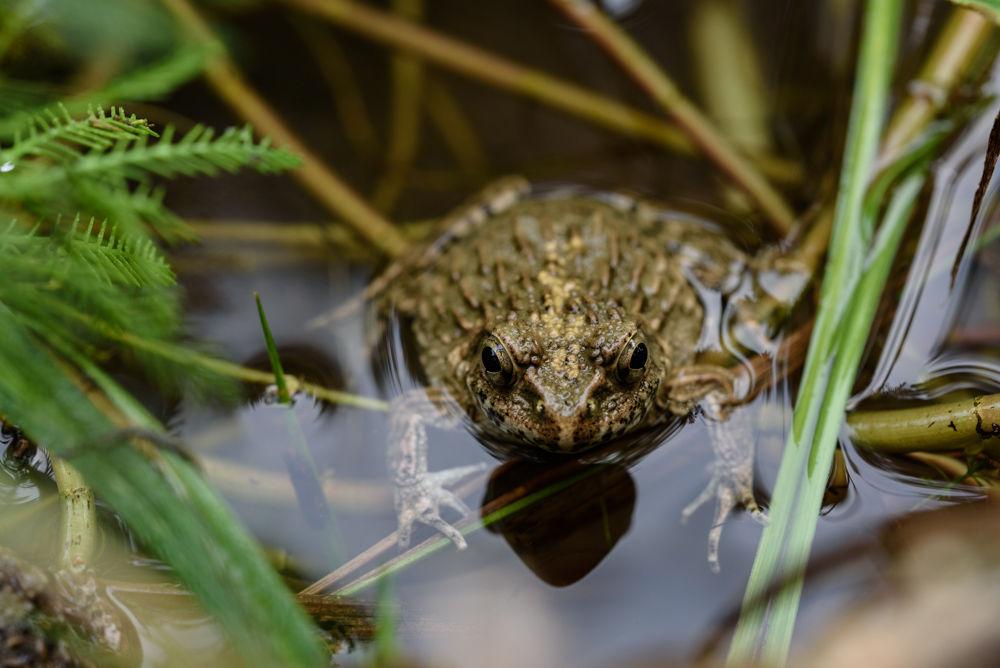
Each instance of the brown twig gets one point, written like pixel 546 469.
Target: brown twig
pixel 644 70
pixel 491 69
pixel 314 175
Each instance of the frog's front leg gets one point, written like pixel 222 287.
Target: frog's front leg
pixel 419 493
pixel 732 443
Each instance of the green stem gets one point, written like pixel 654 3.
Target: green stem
pixel 954 425
pixel 843 272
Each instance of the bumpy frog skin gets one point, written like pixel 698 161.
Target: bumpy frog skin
pixel 557 324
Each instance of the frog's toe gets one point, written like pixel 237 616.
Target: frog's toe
pixel 405 520
pixel 439 479
pixel 420 501
pixel 728 493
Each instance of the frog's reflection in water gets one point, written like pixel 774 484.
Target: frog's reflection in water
pixel 563 537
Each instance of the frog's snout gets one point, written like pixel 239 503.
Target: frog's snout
pixel 566 414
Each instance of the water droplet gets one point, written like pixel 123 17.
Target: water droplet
pixel 7 166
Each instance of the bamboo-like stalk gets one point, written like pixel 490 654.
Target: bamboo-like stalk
pixel 645 72
pixel 959 43
pixel 314 175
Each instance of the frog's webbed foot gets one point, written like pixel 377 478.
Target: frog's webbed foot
pixel 732 470
pixel 420 502
pixel 729 487
pixel 419 493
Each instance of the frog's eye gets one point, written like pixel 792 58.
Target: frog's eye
pixel 632 362
pixel 496 363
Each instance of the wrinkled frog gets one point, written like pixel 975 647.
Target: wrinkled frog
pixel 558 324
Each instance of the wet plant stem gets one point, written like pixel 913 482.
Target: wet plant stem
pixel 637 63
pixel 314 176
pixel 186 356
pixel 272 489
pixel 78 517
pixel 967 424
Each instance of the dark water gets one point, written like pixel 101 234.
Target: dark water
pixel 652 594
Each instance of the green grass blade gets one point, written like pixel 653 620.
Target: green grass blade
pixel 854 335
pixel 165 502
pixel 848 246
pixel 308 483
pixel 272 353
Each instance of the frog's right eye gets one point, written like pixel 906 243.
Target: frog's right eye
pixel 496 363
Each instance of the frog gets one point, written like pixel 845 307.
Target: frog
pixel 554 324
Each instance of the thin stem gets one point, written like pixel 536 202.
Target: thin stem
pixel 645 72
pixel 455 129
pixel 405 122
pixel 268 488
pixel 314 175
pixel 336 70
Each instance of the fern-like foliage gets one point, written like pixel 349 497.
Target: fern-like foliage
pixel 60 137
pixel 105 162
pixel 102 253
pixel 22 102
pixel 75 284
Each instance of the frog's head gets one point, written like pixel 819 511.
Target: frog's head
pixel 564 386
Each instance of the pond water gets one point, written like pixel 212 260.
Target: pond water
pixel 605 574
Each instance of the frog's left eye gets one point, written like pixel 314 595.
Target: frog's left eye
pixel 496 363
pixel 632 362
